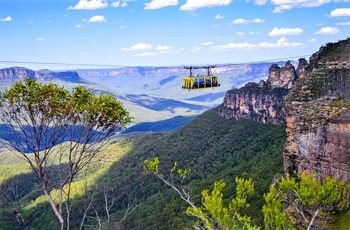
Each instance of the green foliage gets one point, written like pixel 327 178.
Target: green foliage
pixel 335 50
pixel 40 116
pixel 211 146
pixel 152 166
pixel 213 215
pixel 50 100
pixel 296 202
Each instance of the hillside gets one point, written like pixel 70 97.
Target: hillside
pixel 213 147
pixel 297 119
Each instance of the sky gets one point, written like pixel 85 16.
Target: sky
pixel 58 34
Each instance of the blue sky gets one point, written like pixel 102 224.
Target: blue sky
pixel 165 32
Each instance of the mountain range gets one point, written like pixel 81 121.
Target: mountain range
pixel 150 94
pixel 294 120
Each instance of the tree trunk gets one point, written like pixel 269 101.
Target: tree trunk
pixel 53 205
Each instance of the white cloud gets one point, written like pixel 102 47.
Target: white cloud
pixel 196 4
pixel 157 4
pixel 285 31
pixel 40 39
pixel 340 12
pixel 282 5
pixel 7 19
pixel 145 55
pixel 343 24
pixel 240 21
pixel 97 18
pixel 115 4
pixel 312 40
pixel 163 48
pixel 259 2
pixel 123 3
pixel 219 16
pixel 79 26
pixel 257 20
pixel 245 21
pixel 328 30
pixel 240 33
pixel 206 43
pixel 122 27
pixel 281 43
pixel 89 5
pixel 138 46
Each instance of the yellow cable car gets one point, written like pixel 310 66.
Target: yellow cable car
pixel 200 81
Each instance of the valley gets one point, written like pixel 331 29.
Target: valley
pixel 266 121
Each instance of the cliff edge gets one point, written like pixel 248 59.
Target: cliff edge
pixel 317 114
pixel 263 101
pixel 314 103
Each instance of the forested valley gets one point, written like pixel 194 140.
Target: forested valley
pixel 212 147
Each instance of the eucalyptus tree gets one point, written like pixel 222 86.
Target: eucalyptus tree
pixel 295 203
pixel 212 214
pixel 58 133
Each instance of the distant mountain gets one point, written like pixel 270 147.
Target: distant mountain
pixel 165 82
pixel 171 124
pixel 20 73
pixel 150 94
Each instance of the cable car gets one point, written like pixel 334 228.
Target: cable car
pixel 200 81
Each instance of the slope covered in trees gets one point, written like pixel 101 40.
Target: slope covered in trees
pixel 213 147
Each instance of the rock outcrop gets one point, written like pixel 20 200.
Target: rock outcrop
pixel 281 77
pixel 254 102
pixel 263 101
pixel 314 103
pixel 20 73
pixel 317 114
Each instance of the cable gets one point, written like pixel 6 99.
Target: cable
pixel 106 65
pixel 60 63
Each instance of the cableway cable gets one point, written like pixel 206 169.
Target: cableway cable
pixel 120 66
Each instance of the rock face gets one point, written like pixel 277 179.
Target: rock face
pixel 282 77
pixel 20 73
pixel 318 139
pixel 314 103
pixel 16 73
pixel 318 120
pixel 262 102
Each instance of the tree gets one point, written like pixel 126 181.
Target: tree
pixel 211 214
pixel 58 133
pixel 296 202
pixel 10 197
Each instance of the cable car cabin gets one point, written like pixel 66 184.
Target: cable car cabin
pixel 200 81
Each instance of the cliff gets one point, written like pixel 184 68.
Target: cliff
pixel 318 118
pixel 314 103
pixel 20 73
pixel 255 102
pixel 263 102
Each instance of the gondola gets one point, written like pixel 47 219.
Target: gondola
pixel 208 81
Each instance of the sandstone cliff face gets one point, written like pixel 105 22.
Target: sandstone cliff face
pixel 315 106
pixel 256 103
pixel 281 77
pixel 318 139
pixel 20 73
pixel 16 73
pixel 262 102
pixel 318 119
